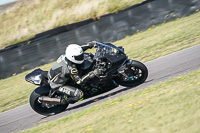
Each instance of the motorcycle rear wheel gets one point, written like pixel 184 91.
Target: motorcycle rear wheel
pixel 39 107
pixel 139 74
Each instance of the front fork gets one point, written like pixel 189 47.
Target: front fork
pixel 125 70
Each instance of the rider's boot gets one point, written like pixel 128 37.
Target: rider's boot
pixel 64 99
pixel 71 94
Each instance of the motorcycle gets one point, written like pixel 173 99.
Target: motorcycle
pixel 116 69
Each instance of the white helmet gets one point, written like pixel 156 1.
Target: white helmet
pixel 74 53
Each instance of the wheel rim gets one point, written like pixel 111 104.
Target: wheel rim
pixel 134 74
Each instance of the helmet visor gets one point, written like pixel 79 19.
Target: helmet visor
pixel 79 57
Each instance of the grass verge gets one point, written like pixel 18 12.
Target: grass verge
pixel 143 46
pixel 171 106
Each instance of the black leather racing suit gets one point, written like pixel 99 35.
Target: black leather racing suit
pixel 63 71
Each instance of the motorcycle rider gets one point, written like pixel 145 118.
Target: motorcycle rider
pixel 65 69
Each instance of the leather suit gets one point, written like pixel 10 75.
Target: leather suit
pixel 64 71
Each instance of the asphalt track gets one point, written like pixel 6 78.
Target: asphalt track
pixel 160 69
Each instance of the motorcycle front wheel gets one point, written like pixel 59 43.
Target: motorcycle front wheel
pixel 134 75
pixel 39 107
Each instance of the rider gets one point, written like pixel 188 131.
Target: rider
pixel 65 68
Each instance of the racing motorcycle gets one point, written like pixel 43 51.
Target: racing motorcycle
pixel 116 69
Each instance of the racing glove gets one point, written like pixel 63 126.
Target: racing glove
pixel 92 44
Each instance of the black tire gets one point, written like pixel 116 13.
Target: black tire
pixel 140 67
pixel 39 107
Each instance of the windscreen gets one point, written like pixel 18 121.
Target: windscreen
pixel 105 49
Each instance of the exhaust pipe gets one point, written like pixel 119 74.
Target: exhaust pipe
pixel 46 99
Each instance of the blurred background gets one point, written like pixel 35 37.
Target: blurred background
pixel 38 30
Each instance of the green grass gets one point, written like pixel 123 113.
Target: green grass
pixel 168 107
pixel 25 20
pixel 143 46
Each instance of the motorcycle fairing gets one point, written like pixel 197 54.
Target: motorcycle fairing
pixel 34 77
